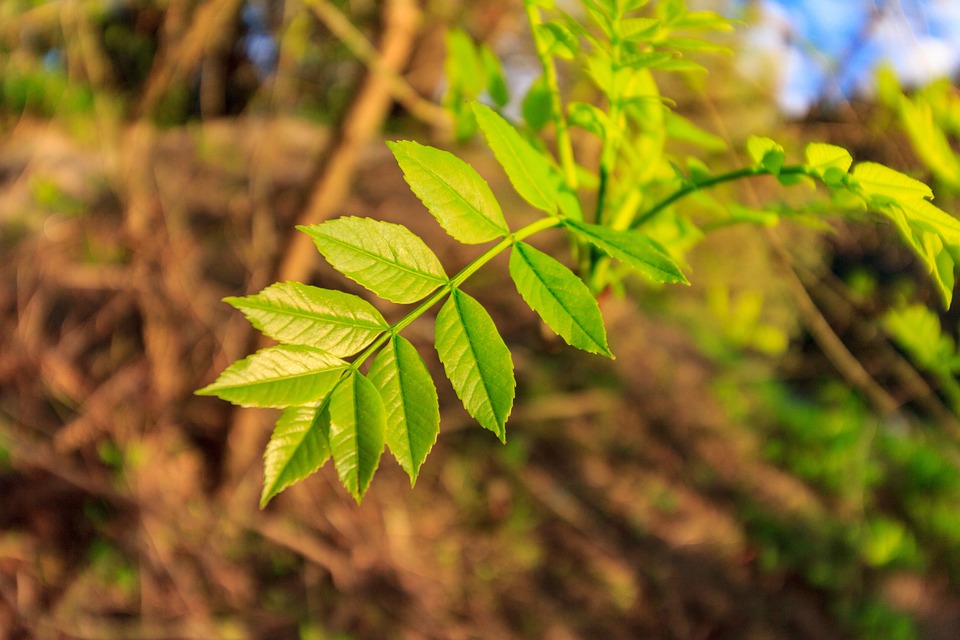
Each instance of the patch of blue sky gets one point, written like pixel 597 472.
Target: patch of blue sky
pixel 827 50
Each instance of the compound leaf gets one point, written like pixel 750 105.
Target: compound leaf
pixel 295 313
pixel 476 361
pixel 527 169
pixel 559 297
pixel 452 191
pixel 357 430
pixel 297 448
pixel 386 258
pixel 632 248
pixel 279 377
pixel 410 398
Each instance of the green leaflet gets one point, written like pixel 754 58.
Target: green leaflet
pixel 410 398
pixel 537 108
pixel 766 153
pixel 476 361
pixel 925 214
pixel 527 169
pixel 386 258
pixel 452 191
pixel 927 245
pixel 297 448
pixel 825 157
pixel 929 140
pixel 295 313
pixel 882 184
pixel 357 429
pixel 560 298
pixel 632 248
pixel 278 377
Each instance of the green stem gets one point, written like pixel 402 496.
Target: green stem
pixel 454 283
pixel 564 146
pixel 746 172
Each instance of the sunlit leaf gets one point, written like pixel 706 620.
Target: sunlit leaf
pixel 878 181
pixel 410 398
pixel 452 191
pixel 526 168
pixel 476 361
pixel 278 377
pixel 632 248
pixel 297 448
pixel 822 158
pixel 357 431
pixel 766 153
pixel 295 313
pixel 386 258
pixel 559 297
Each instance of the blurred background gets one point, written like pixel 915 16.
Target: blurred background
pixel 773 454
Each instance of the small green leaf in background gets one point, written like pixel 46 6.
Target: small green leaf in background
pixel 527 169
pixel 633 249
pixel 917 329
pixel 278 377
pixel 357 432
pixel 496 83
pixel 413 412
pixel 766 153
pixel 452 191
pixel 537 108
pixel 558 40
pixel 295 313
pixel 882 184
pixel 560 298
pixel 297 448
pixel 588 117
pixel 476 361
pixel 386 258
pixel 929 140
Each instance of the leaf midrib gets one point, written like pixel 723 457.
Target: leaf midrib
pixel 309 315
pixel 473 353
pixel 559 302
pixel 379 258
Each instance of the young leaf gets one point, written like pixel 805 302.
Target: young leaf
pixel 295 313
pixel 476 361
pixel 297 448
pixel 357 429
pixel 633 249
pixel 822 158
pixel 278 377
pixel 559 297
pixel 452 191
pixel 386 258
pixel 766 153
pixel 878 181
pixel 527 169
pixel 413 413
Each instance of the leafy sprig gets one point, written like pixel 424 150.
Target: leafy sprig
pixel 331 409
